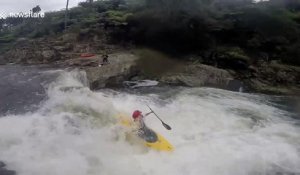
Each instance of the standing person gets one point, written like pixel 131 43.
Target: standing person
pixel 105 59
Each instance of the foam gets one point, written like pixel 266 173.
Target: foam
pixel 213 131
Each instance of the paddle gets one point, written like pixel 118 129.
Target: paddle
pixel 163 123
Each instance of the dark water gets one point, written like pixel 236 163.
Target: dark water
pixel 291 104
pixel 22 88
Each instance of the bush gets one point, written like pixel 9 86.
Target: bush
pixel 117 16
pixel 233 53
pixel 181 26
pixel 292 56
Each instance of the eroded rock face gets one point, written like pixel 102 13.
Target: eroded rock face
pixel 264 77
pixel 120 68
pixel 198 75
pixel 275 78
pixel 123 67
pixel 32 52
pixel 81 62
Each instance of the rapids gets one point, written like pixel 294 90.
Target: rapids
pixel 67 129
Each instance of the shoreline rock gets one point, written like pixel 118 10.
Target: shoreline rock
pixel 121 67
pixel 196 75
pixel 269 78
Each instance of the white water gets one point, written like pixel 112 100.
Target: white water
pixel 141 83
pixel 215 132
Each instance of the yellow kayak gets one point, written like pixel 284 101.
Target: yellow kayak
pixel 150 138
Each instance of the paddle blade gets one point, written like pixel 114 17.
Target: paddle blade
pixel 166 126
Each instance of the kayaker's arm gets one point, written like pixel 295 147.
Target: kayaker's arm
pixel 148 113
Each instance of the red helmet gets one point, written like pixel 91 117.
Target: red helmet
pixel 136 114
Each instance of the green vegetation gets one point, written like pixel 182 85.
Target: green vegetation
pixel 217 30
pixel 117 17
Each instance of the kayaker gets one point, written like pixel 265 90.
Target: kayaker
pixel 138 119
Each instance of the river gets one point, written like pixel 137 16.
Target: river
pixel 51 123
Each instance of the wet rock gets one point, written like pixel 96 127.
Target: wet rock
pixel 81 62
pixel 198 75
pixel 258 85
pixel 48 54
pixel 275 78
pixel 121 67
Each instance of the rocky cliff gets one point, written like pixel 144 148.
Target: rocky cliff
pixel 65 51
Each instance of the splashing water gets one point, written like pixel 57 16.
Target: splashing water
pixel 74 132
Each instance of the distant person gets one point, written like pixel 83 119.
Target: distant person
pixel 104 60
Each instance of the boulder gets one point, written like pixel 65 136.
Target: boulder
pixel 81 62
pixel 48 54
pixel 276 78
pixel 120 68
pixel 195 75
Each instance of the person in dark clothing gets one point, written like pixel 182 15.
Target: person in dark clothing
pixel 105 59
